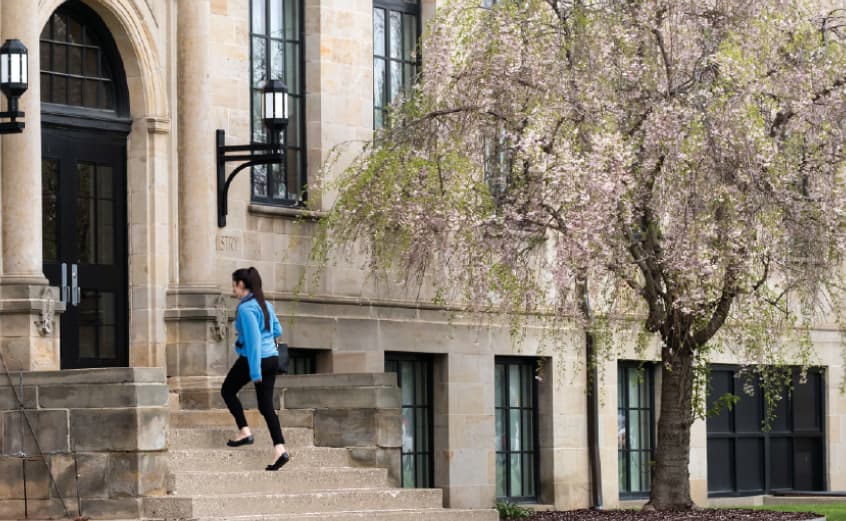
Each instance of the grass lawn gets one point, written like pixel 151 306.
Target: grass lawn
pixel 832 511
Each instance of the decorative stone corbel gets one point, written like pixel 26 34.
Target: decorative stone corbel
pixel 221 322
pixel 48 312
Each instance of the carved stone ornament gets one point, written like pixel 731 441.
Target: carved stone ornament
pixel 48 313
pixel 221 321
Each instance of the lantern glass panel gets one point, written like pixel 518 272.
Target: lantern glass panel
pixel 15 76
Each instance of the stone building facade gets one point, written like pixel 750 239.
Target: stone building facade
pixel 118 161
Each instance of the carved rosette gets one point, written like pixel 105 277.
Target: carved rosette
pixel 221 322
pixel 44 323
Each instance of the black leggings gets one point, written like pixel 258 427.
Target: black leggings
pixel 238 377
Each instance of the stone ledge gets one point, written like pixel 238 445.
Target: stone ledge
pixel 116 375
pixel 337 380
pixel 285 211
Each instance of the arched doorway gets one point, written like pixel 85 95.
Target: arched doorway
pixel 85 123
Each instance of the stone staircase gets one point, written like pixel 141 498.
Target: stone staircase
pixel 209 481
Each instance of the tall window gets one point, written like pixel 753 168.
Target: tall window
pixel 396 26
pixel 414 377
pixel 745 459
pixel 635 428
pixel 516 429
pixel 276 44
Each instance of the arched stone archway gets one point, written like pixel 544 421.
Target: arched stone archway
pixel 135 30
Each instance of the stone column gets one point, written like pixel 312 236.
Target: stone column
pixel 197 181
pixel 464 426
pixel 25 298
pixel 196 314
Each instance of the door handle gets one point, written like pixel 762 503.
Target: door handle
pixel 63 295
pixel 75 293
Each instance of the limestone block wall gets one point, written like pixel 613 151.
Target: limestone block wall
pixel 109 426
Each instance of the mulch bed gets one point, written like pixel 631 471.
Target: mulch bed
pixel 694 515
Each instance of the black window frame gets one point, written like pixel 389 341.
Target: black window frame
pixel 110 70
pixel 297 97
pixel 405 7
pixel 766 437
pixel 646 373
pixel 418 454
pixel 302 361
pixel 529 365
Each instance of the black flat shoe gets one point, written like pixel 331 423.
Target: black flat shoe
pixel 283 459
pixel 243 441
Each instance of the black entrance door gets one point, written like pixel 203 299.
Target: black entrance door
pixel 84 208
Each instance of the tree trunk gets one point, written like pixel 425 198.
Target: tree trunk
pixel 671 482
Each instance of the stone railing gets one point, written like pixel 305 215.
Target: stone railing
pixel 99 444
pixel 361 412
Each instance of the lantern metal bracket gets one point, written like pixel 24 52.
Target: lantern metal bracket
pixel 13 126
pixel 249 155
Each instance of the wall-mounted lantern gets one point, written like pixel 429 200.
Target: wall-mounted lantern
pixel 275 119
pixel 14 80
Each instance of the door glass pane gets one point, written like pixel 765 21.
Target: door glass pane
pixel 85 213
pixel 89 310
pixel 49 189
pixel 107 322
pixel 105 232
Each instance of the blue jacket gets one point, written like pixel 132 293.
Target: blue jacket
pixel 254 340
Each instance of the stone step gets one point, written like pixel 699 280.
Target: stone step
pixel 216 437
pixel 302 503
pixel 183 419
pixel 426 514
pixel 251 458
pixel 286 481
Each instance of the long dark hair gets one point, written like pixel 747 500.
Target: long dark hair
pixel 252 281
